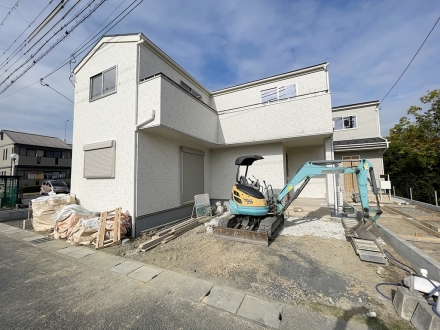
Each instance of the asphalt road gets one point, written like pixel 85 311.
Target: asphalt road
pixel 41 289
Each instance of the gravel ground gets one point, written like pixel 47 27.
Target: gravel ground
pixel 319 227
pixel 413 211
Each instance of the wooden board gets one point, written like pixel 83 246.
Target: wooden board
pixel 421 239
pixel 434 226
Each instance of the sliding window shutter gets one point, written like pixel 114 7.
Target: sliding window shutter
pixel 192 174
pixel 99 160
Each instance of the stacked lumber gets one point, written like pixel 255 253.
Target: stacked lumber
pixel 166 235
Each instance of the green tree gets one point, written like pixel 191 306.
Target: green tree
pixel 413 159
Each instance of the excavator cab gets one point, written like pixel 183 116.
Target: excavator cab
pixel 246 198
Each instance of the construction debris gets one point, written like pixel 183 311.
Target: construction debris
pixel 166 235
pixel 43 208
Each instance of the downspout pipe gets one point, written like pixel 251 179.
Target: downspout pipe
pixel 135 161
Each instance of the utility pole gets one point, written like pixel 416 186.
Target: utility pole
pixel 65 123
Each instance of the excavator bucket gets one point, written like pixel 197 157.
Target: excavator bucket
pixel 363 230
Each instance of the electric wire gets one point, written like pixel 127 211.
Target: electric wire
pixel 25 30
pixel 9 13
pixel 46 85
pixel 85 47
pixel 79 47
pixel 67 33
pixel 20 15
pixel 411 60
pixel 45 43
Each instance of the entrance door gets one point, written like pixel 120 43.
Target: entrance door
pixel 350 181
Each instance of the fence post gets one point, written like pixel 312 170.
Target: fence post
pixel 410 193
pixel 436 200
pixel 394 191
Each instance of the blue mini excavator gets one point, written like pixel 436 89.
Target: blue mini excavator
pixel 257 214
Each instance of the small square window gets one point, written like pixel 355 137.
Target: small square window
pixel 102 84
pixel 341 123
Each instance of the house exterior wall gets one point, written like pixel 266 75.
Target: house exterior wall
pixel 367 123
pixel 5 164
pixel 306 83
pixel 159 172
pixel 223 168
pixel 292 118
pixel 297 157
pixel 374 156
pixel 109 118
pixel 151 63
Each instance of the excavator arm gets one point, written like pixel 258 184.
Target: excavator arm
pixel 364 174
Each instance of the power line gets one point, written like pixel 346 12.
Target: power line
pixel 1 98
pixel 25 30
pixel 46 42
pixel 20 15
pixel 411 60
pixel 46 85
pixel 67 33
pixel 9 13
pixel 84 48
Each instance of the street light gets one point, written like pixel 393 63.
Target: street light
pixel 65 122
pixel 14 157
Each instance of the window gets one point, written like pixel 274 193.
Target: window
pixel 48 154
pixel 190 90
pixel 103 84
pixel 192 174
pixel 99 160
pixel 22 151
pixel 30 152
pixel 278 93
pixel 340 123
pixel 57 154
pixel 5 154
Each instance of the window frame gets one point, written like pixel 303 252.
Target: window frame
pixel 111 144
pixel 343 126
pixel 277 98
pixel 102 84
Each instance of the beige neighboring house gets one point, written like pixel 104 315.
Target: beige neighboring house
pixel 40 157
pixel 148 136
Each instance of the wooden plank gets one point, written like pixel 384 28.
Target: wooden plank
pixel 421 239
pixel 435 233
pixel 432 226
pixel 117 226
pixel 428 218
pixel 101 230
pixel 167 230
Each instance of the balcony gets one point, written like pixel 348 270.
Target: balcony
pixel 176 110
pixel 179 115
pixel 43 161
pixel 303 116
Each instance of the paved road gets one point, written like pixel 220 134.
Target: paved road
pixel 42 288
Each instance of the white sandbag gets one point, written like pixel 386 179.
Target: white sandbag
pixel 44 207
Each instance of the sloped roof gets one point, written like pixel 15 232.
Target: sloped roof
pixel 36 140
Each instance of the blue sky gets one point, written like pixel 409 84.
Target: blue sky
pixel 224 43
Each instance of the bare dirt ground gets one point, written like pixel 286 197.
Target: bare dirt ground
pixel 324 274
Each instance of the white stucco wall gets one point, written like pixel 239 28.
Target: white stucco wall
pixel 223 168
pixel 109 118
pixel 159 172
pixel 292 118
pixel 316 188
pixel 367 123
pixel 310 82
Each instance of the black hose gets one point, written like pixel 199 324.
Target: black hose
pixel 386 283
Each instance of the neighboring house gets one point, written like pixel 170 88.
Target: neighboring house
pixel 148 136
pixel 40 157
pixel 356 136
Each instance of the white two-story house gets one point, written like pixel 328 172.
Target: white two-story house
pixel 148 136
